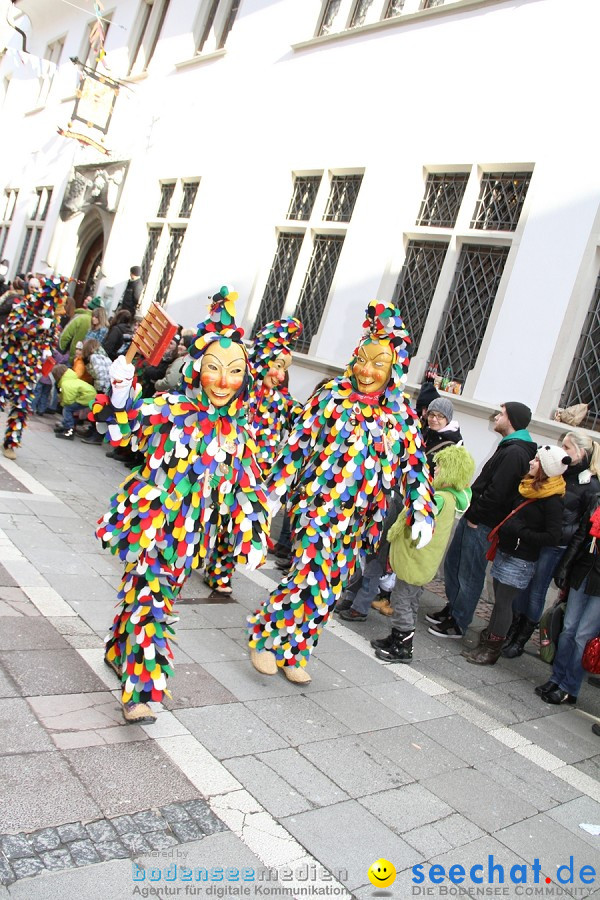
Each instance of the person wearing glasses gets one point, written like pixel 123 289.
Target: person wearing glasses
pixel 442 429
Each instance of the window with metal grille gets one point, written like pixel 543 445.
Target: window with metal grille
pixel 501 199
pixel 329 16
pixel 279 280
pixel 394 8
pixel 33 230
pixel 214 23
pixel 52 55
pixel 417 283
pixel 443 196
pixel 583 383
pixel 316 287
pixel 166 193
pixel 190 189
pixel 303 199
pixel 429 4
pixel 176 240
pixel 468 309
pixel 359 13
pixel 10 201
pixel 342 197
pixel 44 196
pixel 154 233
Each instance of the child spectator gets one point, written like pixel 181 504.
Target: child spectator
pixel 453 471
pixel 75 395
pixel 99 323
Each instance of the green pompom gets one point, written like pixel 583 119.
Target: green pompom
pixel 224 291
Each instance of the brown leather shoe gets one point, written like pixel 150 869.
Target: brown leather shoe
pixel 487 653
pixel 264 662
pixel 296 674
pixel 113 665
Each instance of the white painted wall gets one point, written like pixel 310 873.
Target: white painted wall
pixel 498 85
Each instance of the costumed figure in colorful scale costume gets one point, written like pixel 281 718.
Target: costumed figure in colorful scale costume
pixel 27 338
pixel 271 409
pixel 356 440
pixel 199 478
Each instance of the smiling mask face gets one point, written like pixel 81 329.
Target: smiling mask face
pixel 373 366
pixel 277 369
pixel 222 372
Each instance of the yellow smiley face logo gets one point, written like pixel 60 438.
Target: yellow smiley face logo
pixel 382 873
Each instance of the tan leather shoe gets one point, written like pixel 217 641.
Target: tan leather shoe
pixel 383 606
pixel 113 665
pixel 9 453
pixel 138 714
pixel 296 674
pixel 264 662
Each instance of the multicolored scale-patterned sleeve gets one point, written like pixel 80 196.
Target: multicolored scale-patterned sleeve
pixel 415 482
pixel 124 427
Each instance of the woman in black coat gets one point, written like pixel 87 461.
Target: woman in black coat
pixel 581 479
pixel 580 568
pixel 120 330
pixel 535 522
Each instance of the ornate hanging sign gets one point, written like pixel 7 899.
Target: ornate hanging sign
pixel 94 105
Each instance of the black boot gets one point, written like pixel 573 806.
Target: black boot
pixel 488 653
pixel 515 627
pixel 517 644
pixel 383 643
pixel 400 649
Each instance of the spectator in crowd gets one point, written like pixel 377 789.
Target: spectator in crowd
pixel 493 494
pixel 75 395
pixel 441 429
pixel 149 375
pixel 10 297
pixel 172 377
pixel 581 480
pixel 580 569
pixel 426 395
pixel 74 332
pixel 120 332
pixel 133 291
pixel 98 324
pixel 534 522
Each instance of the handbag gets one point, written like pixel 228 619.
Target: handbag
pixel 591 656
pixel 494 537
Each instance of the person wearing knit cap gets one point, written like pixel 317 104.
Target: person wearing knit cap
pixel 534 522
pixel 27 338
pixel 355 441
pixel 582 484
pixel 494 492
pixel 271 409
pixel 199 478
pixel 442 429
pixel 426 395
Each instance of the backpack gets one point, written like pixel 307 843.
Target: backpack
pixel 126 344
pixel 551 625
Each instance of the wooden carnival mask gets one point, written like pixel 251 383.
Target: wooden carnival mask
pixel 373 366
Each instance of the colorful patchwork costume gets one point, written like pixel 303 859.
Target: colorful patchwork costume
pixel 26 339
pixel 271 410
pixel 199 478
pixel 347 451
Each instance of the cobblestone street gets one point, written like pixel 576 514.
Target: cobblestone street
pixel 439 762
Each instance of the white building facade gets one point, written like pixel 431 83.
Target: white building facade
pixel 317 154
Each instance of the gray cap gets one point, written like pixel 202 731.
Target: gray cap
pixel 442 406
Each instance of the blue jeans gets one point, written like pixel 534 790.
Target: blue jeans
pixel 532 599
pixel 68 418
pixel 369 586
pixel 464 571
pixel 41 396
pixel 582 622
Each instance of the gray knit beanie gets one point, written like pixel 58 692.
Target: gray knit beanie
pixel 442 406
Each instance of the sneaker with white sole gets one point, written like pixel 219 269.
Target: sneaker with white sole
pixel 446 629
pixel 436 617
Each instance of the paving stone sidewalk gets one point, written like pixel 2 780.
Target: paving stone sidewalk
pixel 440 762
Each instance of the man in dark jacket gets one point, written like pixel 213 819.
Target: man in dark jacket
pixel 133 291
pixel 494 492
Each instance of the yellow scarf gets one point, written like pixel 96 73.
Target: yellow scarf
pixel 554 486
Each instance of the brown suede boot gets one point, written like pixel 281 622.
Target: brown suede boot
pixel 487 653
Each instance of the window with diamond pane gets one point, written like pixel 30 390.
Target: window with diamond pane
pixel 166 192
pixel 443 196
pixel 154 234
pixel 583 383
pixel 416 285
pixel 429 4
pixel 190 189
pixel 21 264
pixel 233 11
pixel 342 197
pixel 395 7
pixel 329 16
pixel 360 12
pixel 177 236
pixel 316 287
pixel 280 277
pixel 303 199
pixel 501 199
pixel 37 234
pixel 467 313
pixel 43 212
